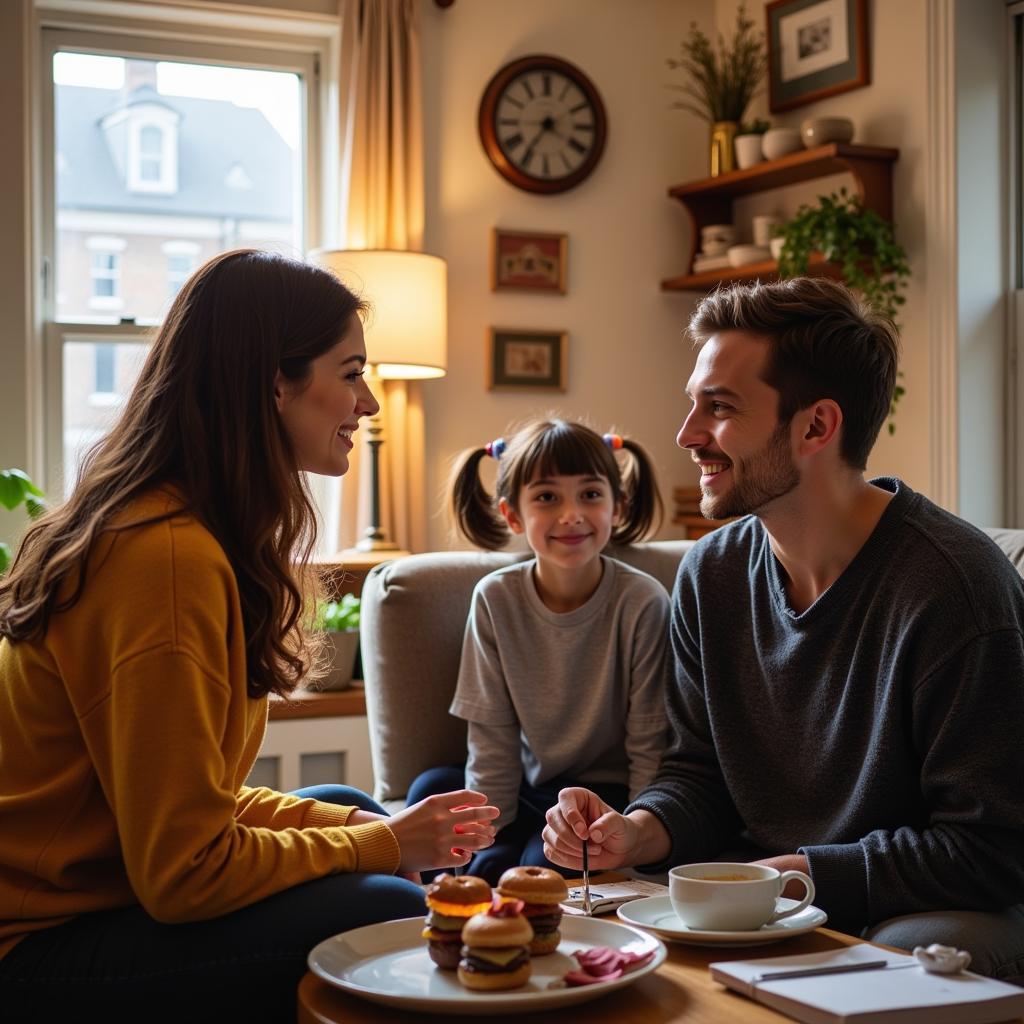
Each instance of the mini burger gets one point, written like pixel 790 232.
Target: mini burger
pixel 495 948
pixel 541 890
pixel 451 902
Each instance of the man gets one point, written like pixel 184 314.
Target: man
pixel 849 686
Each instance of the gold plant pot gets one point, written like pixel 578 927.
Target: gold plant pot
pixel 722 135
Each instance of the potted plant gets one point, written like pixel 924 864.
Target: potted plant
pixel 16 489
pixel 721 82
pixel 748 143
pixel 339 621
pixel 861 242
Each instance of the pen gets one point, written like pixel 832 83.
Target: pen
pixel 587 908
pixel 810 972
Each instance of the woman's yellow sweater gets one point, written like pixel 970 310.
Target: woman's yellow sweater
pixel 126 735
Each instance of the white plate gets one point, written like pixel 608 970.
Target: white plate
pixel 388 963
pixel 655 914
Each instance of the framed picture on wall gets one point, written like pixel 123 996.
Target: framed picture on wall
pixel 534 360
pixel 816 48
pixel 533 261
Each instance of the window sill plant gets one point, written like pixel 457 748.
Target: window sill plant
pixel 860 242
pixel 339 622
pixel 16 489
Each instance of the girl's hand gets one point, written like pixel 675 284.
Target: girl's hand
pixel 443 831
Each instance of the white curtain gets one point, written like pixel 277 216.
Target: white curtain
pixel 382 205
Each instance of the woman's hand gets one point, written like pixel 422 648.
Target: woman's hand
pixel 443 831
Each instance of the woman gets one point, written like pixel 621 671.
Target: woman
pixel 142 627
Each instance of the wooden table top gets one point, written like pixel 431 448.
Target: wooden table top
pixel 680 990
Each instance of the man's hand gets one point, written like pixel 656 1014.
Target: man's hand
pixel 613 840
pixel 789 862
pixel 443 831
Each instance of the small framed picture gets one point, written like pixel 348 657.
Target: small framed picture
pixel 532 261
pixel 535 360
pixel 816 48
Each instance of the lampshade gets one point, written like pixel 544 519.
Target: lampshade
pixel 407 329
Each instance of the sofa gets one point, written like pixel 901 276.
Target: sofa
pixel 414 613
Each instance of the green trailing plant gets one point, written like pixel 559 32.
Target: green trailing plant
pixel 755 127
pixel 337 616
pixel 16 490
pixel 721 82
pixel 861 242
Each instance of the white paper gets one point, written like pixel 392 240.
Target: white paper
pixel 604 898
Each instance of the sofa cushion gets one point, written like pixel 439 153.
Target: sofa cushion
pixel 414 613
pixel 1012 543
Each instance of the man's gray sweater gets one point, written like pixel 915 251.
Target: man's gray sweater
pixel 880 732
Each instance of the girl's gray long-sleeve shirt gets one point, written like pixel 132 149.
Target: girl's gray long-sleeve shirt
pixel 880 732
pixel 578 694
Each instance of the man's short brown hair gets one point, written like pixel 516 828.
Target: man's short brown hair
pixel 824 343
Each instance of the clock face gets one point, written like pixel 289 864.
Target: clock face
pixel 542 124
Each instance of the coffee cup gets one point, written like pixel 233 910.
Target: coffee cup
pixel 732 897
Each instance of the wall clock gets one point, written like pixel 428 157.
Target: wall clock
pixel 542 124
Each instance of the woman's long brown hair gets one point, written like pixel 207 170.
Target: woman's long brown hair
pixel 202 418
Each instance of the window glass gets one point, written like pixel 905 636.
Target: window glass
pixel 218 164
pixel 151 146
pixel 98 377
pixel 159 165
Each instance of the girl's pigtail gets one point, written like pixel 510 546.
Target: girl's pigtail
pixel 473 508
pixel 642 507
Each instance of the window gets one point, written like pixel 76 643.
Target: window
pixel 104 375
pixel 105 271
pixel 158 163
pixel 151 152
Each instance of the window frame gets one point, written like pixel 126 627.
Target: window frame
pixel 192 43
pixel 1014 473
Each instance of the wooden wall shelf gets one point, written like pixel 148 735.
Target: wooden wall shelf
pixel 710 201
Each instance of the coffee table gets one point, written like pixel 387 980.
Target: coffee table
pixel 680 990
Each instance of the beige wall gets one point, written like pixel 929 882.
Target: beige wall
pixel 627 362
pixel 891 111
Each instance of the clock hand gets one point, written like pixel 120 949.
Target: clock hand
pixel 528 155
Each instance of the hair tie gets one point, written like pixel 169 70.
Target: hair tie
pixel 496 448
pixel 613 441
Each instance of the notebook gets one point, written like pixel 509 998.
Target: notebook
pixel 898 990
pixel 605 897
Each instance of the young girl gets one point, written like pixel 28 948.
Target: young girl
pixel 564 661
pixel 142 627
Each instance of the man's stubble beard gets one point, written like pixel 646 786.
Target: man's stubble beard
pixel 764 477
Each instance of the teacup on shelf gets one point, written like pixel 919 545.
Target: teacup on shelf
pixel 741 255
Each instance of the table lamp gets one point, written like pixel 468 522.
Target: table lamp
pixel 406 335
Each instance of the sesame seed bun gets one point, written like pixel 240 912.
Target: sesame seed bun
pixel 533 885
pixel 489 932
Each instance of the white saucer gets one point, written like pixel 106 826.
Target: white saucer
pixel 388 963
pixel 655 914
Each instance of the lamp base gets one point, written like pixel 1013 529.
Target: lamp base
pixel 372 544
